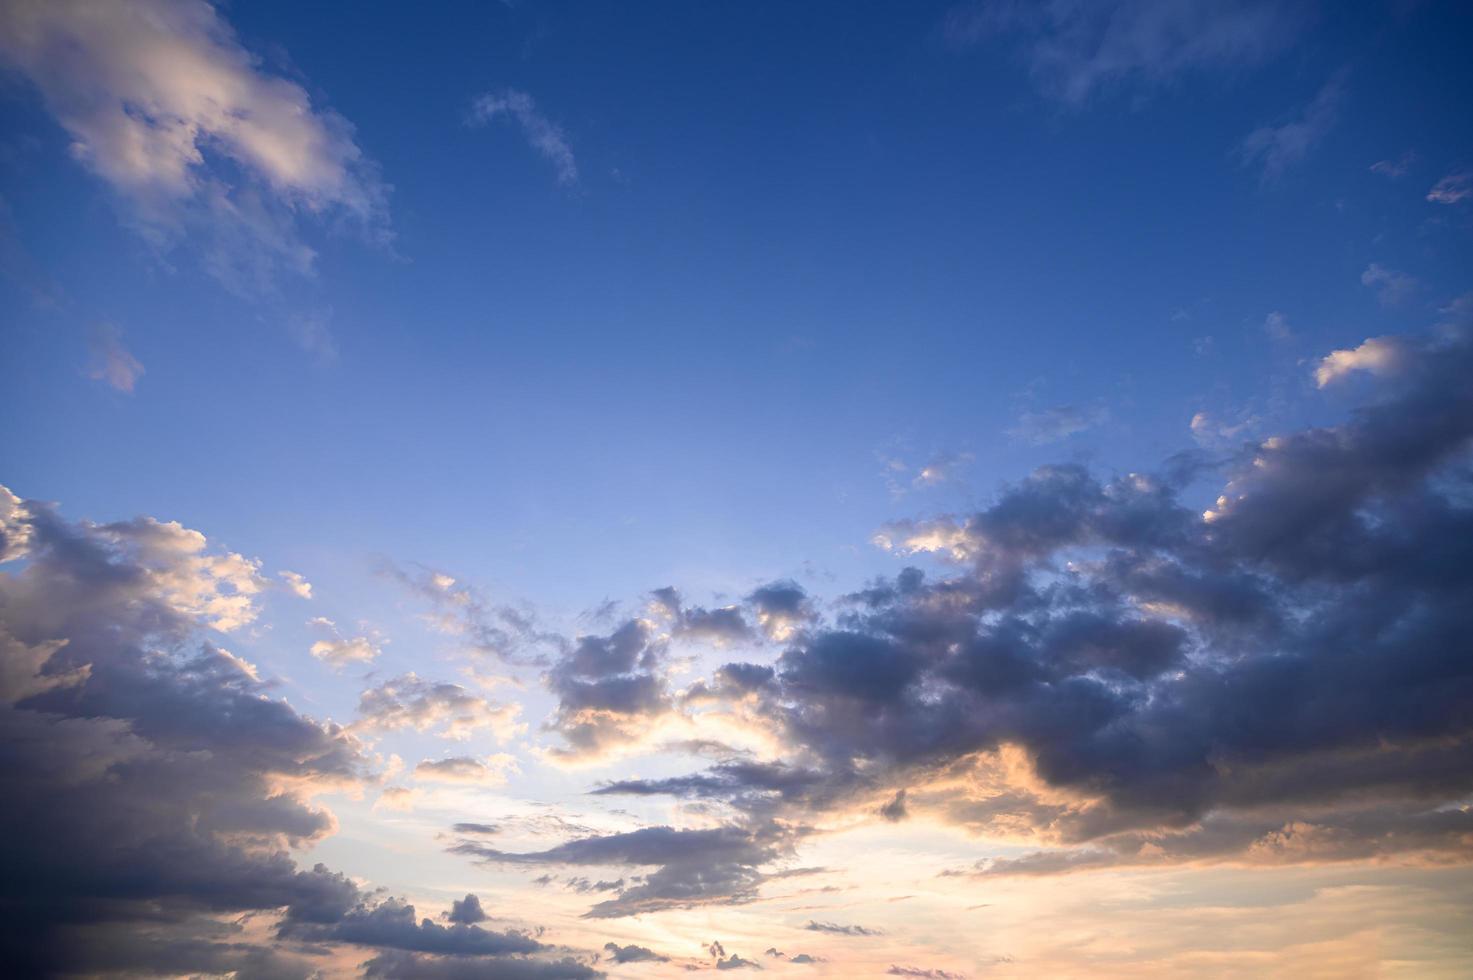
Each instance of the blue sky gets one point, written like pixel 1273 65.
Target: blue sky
pixel 569 302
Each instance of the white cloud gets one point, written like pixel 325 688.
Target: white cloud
pixel 156 94
pixel 297 583
pixel 545 136
pixel 339 651
pixel 1378 355
pixel 1452 189
pixel 1276 148
pixel 109 361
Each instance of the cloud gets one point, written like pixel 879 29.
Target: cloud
pixel 838 930
pixel 164 105
pixel 313 333
pixel 165 786
pixel 392 924
pixel 1378 355
pixel 695 867
pixel 1276 148
pixel 109 361
pixel 1074 49
pixel 493 770
pixel 340 651
pixel 610 688
pixel 466 911
pixel 504 632
pixel 1110 670
pixel 297 583
pixel 449 710
pixel 400 965
pixel 1276 325
pixel 162 783
pixel 633 954
pixel 1057 423
pixel 546 137
pixel 1391 286
pixel 924 973
pixel 1452 189
pixel 1395 169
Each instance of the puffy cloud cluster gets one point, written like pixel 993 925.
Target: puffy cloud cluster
pixel 159 783
pixel 1130 679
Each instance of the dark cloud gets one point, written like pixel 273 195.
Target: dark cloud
pixel 466 911
pixel 392 924
pixel 164 783
pixel 400 965
pixel 719 865
pixel 840 930
pixel 781 607
pixel 475 828
pixel 925 973
pixel 608 687
pixel 633 954
pixel 1294 648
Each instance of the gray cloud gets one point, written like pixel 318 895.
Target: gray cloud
pixel 719 865
pixel 164 784
pixel 1289 652
pixel 633 954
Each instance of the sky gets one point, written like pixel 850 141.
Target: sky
pixel 553 489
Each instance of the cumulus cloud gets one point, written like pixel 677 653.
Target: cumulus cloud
pixel 633 954
pixel 109 361
pixel 1276 148
pixel 158 772
pixel 1127 678
pixel 1075 49
pixel 297 583
pixel 165 786
pixel 163 103
pixel 1378 355
pixel 545 136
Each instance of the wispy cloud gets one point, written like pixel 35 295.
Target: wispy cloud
pixel 1395 169
pixel 546 137
pixel 109 361
pixel 1276 148
pixel 1077 47
pixel 1452 189
pixel 1057 423
pixel 1391 286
